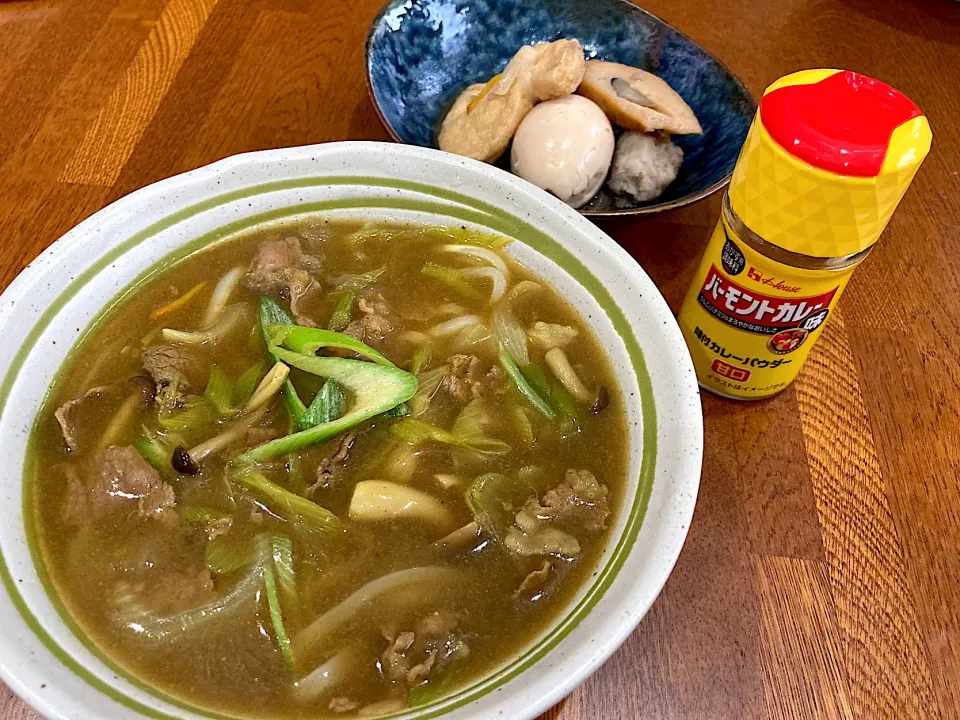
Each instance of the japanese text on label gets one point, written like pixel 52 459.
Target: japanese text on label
pixel 757 313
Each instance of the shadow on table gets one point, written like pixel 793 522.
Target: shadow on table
pixel 930 19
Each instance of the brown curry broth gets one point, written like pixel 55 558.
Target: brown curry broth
pixel 232 664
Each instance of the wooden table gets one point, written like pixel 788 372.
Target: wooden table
pixel 821 577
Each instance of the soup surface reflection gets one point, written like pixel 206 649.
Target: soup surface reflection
pixel 328 469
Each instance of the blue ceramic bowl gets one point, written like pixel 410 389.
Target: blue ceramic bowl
pixel 422 53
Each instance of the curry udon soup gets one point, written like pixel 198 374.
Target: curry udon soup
pixel 328 469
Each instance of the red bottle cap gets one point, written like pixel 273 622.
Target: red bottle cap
pixel 841 124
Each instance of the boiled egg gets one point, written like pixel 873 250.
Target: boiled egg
pixel 565 147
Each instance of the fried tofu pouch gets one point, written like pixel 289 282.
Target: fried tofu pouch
pixel 485 117
pixel 636 100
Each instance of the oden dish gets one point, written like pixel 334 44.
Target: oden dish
pixel 255 534
pixel 422 55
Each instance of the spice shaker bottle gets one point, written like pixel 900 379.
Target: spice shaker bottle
pixel 827 159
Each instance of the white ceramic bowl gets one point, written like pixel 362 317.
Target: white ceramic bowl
pixel 46 309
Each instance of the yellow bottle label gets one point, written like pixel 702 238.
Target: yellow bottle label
pixel 750 321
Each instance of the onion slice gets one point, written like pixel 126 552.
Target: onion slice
pixel 325 677
pixel 480 253
pixel 512 337
pixel 455 325
pixel 495 276
pixel 221 294
pixel 430 580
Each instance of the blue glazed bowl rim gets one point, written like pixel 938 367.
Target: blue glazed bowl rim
pixel 613 212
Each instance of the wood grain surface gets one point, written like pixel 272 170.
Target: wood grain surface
pixel 821 577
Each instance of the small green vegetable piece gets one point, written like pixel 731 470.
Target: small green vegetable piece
pixel 359 282
pixel 199 416
pixel 220 392
pixel 154 453
pixel 375 389
pixel 400 411
pixel 282 501
pixel 537 377
pixel 467 431
pixel 245 384
pixel 342 312
pixel 366 233
pixel 521 421
pixel 524 386
pixel 276 616
pixel 296 482
pixel 470 427
pixel 156 627
pixel 200 514
pixel 570 415
pixel 453 278
pixel 327 405
pixel 225 555
pixel 415 431
pixel 494 500
pixel 428 383
pixel 468 236
pixel 272 314
pixel 512 337
pixel 282 548
pixel 307 341
pixel 436 688
pixel 422 357
pixel 556 396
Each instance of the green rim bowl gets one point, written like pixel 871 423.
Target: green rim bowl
pixel 47 309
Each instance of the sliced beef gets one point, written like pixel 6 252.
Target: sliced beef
pixel 394 660
pixel 159 502
pixel 125 480
pixel 579 502
pixel 470 377
pixel 315 237
pixel 535 583
pixel 145 385
pixel 298 295
pixel 372 326
pixel 282 269
pixel 330 468
pixel 69 414
pixel 168 367
pixel 542 541
pixel 176 590
pixel 355 330
pixel 166 364
pixel 544 527
pixel 412 656
pixel 278 262
pixel 463 380
pixel 375 328
pixel 76 506
pixel 373 306
pixel 493 381
pixel 82 413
